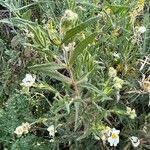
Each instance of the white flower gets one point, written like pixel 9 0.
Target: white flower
pixel 135 141
pixel 131 113
pixel 118 83
pixel 51 130
pixel 26 126
pixel 19 130
pixel 142 29
pixel 117 55
pixel 112 72
pixel 29 80
pixel 114 138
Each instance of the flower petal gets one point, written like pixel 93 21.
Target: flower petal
pixel 116 141
pixel 117 131
pixel 111 141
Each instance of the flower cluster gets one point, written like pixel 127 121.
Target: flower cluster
pixel 105 133
pixel 23 129
pixel 112 73
pixel 118 83
pixel 131 113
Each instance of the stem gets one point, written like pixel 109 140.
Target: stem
pixel 69 68
pixel 73 81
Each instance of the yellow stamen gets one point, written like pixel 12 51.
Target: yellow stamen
pixel 114 136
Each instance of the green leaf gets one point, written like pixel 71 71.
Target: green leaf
pixel 17 22
pixel 81 46
pixel 59 76
pixel 6 21
pixel 48 66
pixel 3 4
pixel 39 35
pixel 17 7
pixel 100 109
pixel 118 8
pixel 26 15
pixel 45 86
pixel 72 32
pixel 91 87
pixel 68 104
pixel 51 70
pixel 76 105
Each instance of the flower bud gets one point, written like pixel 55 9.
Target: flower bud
pixel 19 131
pixel 26 127
pixel 68 20
pixel 118 83
pixel 112 72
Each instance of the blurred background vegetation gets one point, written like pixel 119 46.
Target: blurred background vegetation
pixel 30 35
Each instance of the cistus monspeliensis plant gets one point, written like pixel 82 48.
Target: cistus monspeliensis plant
pixel 87 84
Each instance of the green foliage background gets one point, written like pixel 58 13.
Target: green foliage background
pixel 73 90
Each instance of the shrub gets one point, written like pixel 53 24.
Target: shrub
pixel 87 85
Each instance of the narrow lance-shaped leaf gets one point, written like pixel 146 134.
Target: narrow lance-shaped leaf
pixel 48 66
pixel 68 106
pixel 51 70
pixel 81 46
pixel 45 86
pixel 76 105
pixel 90 87
pixel 72 32
pixel 17 22
pixel 38 35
